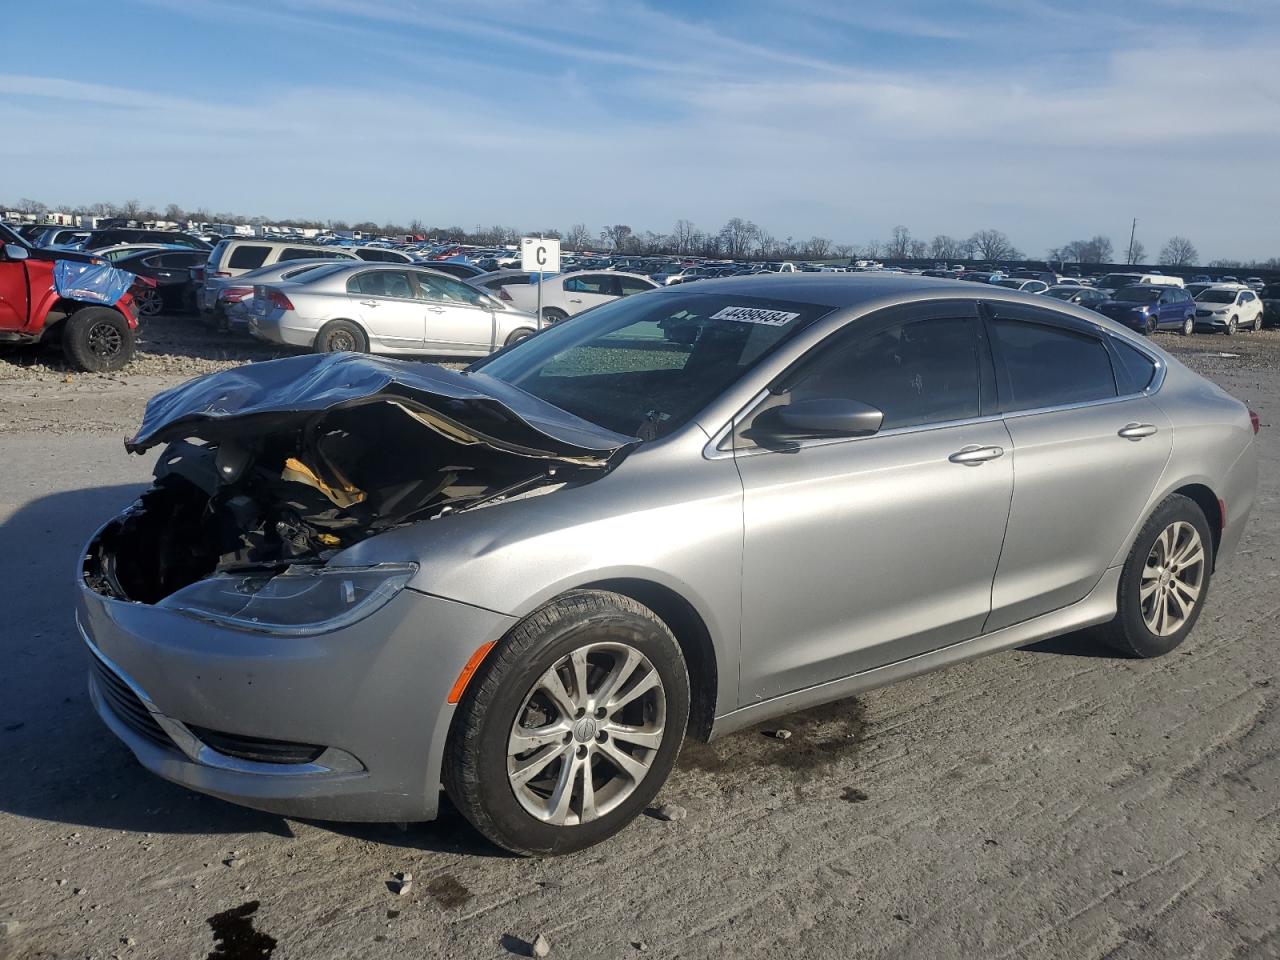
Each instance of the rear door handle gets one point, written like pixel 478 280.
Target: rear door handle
pixel 972 456
pixel 1136 431
pixel 575 301
pixel 435 309
pixel 369 303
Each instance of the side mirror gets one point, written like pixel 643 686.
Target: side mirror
pixel 813 419
pixel 16 251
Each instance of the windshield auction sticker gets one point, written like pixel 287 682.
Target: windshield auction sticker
pixel 773 318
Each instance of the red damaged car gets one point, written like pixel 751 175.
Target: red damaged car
pixel 80 302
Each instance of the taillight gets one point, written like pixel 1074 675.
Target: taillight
pixel 278 300
pixel 503 295
pixel 235 294
pixel 1253 419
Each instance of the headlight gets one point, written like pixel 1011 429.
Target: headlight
pixel 301 600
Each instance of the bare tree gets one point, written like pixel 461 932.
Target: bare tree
pixel 1137 252
pixel 683 235
pixel 132 209
pixel 871 250
pixel 616 236
pixel 174 213
pixel 31 207
pixel 1096 250
pixel 993 245
pixel 844 249
pixel 737 236
pixel 899 245
pixel 1179 252
pixel 919 249
pixel 766 245
pixel 817 248
pixel 577 237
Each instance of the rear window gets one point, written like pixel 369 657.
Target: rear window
pixel 1048 366
pixel 248 257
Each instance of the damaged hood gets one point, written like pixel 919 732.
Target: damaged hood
pixel 295 392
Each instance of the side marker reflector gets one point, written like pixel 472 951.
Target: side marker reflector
pixel 472 665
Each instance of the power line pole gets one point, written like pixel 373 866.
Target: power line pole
pixel 1132 234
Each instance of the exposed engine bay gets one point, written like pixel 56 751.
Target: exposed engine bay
pixel 297 487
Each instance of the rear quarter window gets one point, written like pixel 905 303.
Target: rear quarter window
pixel 1135 367
pixel 248 257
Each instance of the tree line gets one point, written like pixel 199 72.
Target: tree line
pixel 737 239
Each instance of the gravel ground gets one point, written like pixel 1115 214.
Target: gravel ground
pixel 1048 802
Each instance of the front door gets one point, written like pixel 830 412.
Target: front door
pixel 1088 450
pixel 13 294
pixel 582 291
pixel 457 319
pixel 861 552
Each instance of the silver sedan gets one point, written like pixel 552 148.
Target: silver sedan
pixel 385 308
pixel 681 514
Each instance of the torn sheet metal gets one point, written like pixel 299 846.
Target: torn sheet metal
pixel 296 392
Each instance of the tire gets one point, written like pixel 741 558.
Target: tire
pixel 341 336
pixel 150 302
pixel 517 336
pixel 1189 326
pixel 1149 327
pixel 1231 326
pixel 1257 323
pixel 1132 631
pixel 97 340
pixel 553 315
pixel 478 773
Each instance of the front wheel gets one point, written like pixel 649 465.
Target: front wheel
pixel 517 336
pixel 1231 326
pixel 552 316
pixel 1188 326
pixel 1149 327
pixel 1165 581
pixel 98 340
pixel 572 726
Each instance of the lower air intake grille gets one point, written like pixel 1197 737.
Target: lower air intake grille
pixel 256 748
pixel 124 703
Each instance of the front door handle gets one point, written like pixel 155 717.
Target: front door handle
pixel 575 301
pixel 1136 431
pixel 972 456
pixel 369 303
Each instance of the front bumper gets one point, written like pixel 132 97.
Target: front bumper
pixel 374 695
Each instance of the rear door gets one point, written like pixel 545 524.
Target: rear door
pixel 582 291
pixel 388 309
pixel 1089 447
pixel 457 320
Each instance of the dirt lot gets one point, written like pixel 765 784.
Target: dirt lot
pixel 1049 802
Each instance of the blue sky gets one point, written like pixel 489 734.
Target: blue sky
pixel 1050 120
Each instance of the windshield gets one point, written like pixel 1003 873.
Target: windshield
pixel 1217 296
pixel 1138 294
pixel 644 366
pixel 1117 280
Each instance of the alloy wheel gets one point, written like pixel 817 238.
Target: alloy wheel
pixel 105 340
pixel 1172 578
pixel 1188 326
pixel 150 302
pixel 586 734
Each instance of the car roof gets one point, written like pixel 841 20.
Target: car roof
pixel 832 289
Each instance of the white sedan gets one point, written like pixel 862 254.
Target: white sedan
pixel 570 293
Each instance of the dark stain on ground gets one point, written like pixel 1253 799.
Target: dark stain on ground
pixel 448 891
pixel 819 737
pixel 234 937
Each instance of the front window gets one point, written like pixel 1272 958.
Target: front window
pixel 1138 295
pixel 1217 296
pixel 645 366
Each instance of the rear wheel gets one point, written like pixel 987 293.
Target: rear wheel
pixel 150 302
pixel 1257 322
pixel 97 340
pixel 1189 326
pixel 553 315
pixel 341 336
pixel 572 727
pixel 517 336
pixel 1165 581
